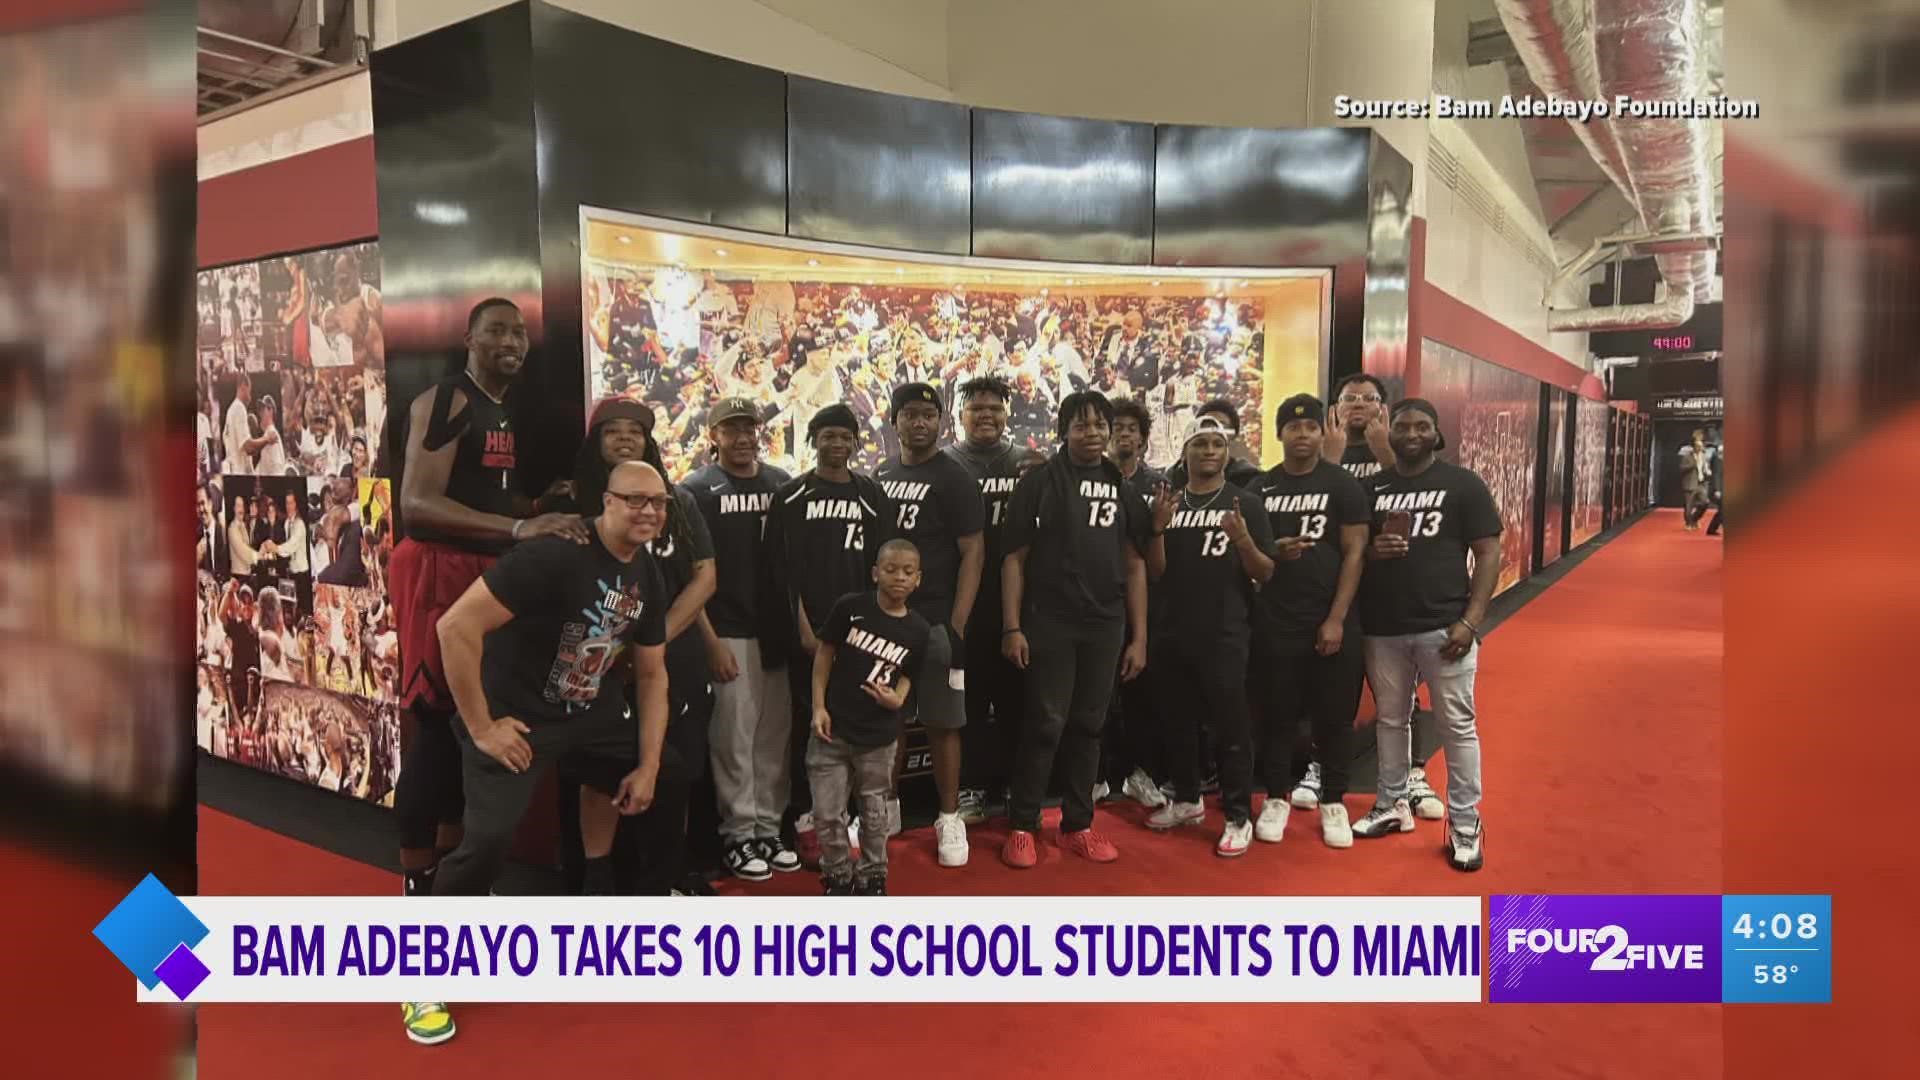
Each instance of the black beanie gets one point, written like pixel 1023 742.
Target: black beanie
pixel 911 392
pixel 1300 407
pixel 835 415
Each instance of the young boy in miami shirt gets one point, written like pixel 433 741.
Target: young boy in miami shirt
pixel 870 642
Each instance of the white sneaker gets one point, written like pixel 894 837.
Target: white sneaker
pixel 1306 793
pixel 1334 828
pixel 853 838
pixel 1384 820
pixel 1271 827
pixel 1464 848
pixel 950 839
pixel 893 817
pixel 1421 798
pixel 1234 839
pixel 1141 789
pixel 1101 791
pixel 1175 814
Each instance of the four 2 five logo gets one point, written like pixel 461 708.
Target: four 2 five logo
pixel 1604 948
pixel 153 934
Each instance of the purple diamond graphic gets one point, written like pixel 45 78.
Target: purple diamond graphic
pixel 182 972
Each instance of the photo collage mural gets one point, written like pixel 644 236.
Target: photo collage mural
pixel 297 648
pixel 680 340
pixel 1490 416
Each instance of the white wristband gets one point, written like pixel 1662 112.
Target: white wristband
pixel 517 522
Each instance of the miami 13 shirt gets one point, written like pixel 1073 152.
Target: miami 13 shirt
pixel 1450 507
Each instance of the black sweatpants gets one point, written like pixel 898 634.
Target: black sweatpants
pixel 1206 681
pixel 598 753
pixel 800 697
pixel 1133 738
pixel 1324 690
pixel 427 792
pixel 995 705
pixel 1069 682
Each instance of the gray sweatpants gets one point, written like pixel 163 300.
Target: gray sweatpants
pixel 835 770
pixel 748 746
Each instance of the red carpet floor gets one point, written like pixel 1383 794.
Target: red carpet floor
pixel 1601 728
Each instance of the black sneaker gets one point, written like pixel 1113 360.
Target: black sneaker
pixel 744 861
pixel 778 855
pixel 871 887
pixel 695 885
pixel 837 886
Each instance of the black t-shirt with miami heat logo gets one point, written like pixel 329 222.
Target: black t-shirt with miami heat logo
pixel 1450 507
pixel 937 503
pixel 869 646
pixel 1317 506
pixel 822 537
pixel 574 609
pixel 1078 521
pixel 1204 599
pixel 736 512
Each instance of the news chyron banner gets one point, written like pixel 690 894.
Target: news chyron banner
pixel 1619 948
pixel 1616 948
pixel 786 949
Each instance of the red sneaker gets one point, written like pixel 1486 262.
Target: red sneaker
pixel 1019 851
pixel 807 843
pixel 1089 845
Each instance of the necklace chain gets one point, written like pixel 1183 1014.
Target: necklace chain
pixel 1186 497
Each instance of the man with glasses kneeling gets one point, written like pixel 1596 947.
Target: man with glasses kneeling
pixel 527 651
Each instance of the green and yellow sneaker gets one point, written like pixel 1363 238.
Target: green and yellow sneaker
pixel 428 1022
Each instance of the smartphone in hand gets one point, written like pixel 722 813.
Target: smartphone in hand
pixel 1398 523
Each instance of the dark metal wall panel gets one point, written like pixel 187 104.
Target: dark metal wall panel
pixel 1255 197
pixel 871 168
pixel 1055 187
pixel 633 123
pixel 1384 327
pixel 454 166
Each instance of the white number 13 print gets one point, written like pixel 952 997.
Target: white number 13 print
pixel 1213 544
pixel 1426 523
pixel 1313 526
pixel 882 673
pixel 1100 512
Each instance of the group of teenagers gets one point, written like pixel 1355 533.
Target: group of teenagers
pixel 1080 618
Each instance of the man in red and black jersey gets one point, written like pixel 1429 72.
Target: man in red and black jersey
pixel 461 510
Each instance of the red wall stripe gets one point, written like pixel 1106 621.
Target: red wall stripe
pixel 315 199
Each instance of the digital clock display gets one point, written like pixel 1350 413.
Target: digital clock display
pixel 1674 343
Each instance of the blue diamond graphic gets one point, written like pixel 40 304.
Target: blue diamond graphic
pixel 145 929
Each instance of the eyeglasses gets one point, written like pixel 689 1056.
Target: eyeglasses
pixel 637 502
pixel 1356 399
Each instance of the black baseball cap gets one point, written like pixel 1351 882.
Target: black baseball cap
pixel 732 408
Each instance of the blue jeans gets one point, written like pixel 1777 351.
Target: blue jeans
pixel 1395 665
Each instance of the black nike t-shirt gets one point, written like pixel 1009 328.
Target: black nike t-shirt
pixel 823 536
pixel 1358 459
pixel 935 504
pixel 995 472
pixel 869 646
pixel 575 607
pixel 1077 522
pixel 1204 599
pixel 1316 506
pixel 1145 483
pixel 736 512
pixel 1427 590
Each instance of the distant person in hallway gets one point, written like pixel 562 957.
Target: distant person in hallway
pixel 1422 609
pixel 1696 470
pixel 1716 490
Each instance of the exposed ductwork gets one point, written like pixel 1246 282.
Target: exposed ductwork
pixel 1651 51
